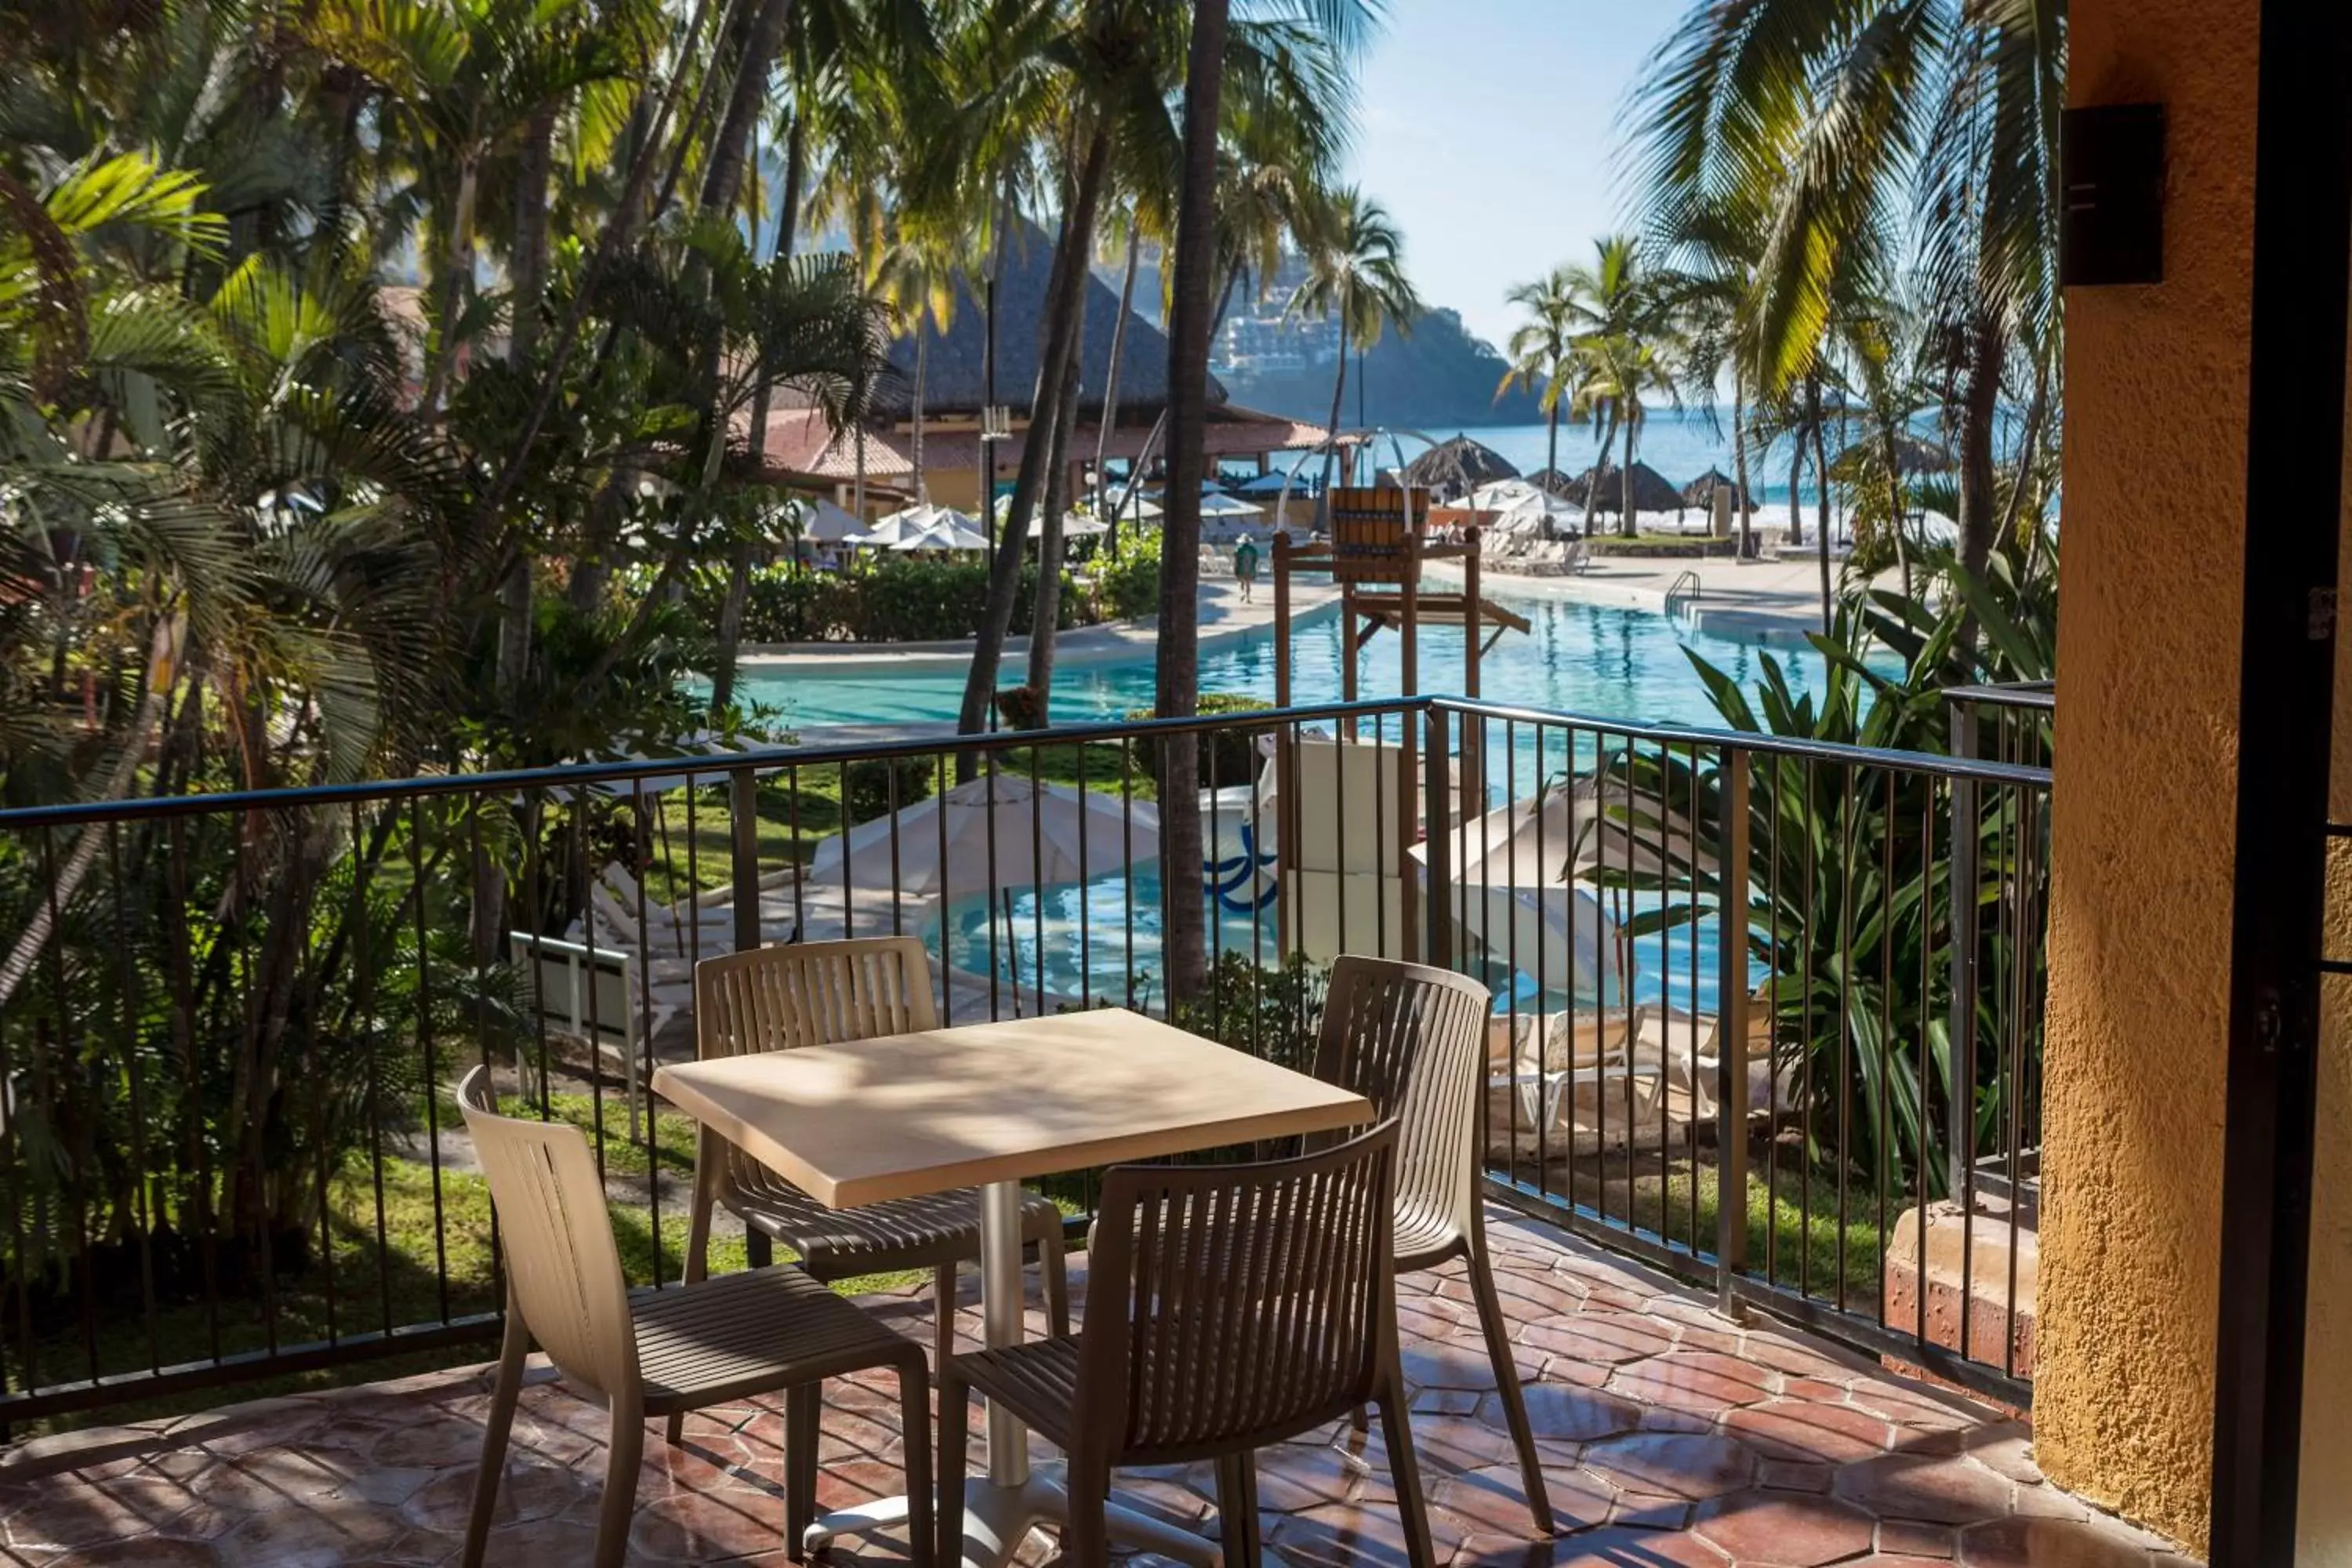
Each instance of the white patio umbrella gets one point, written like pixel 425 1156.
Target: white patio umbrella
pixel 915 520
pixel 944 534
pixel 1037 832
pixel 1075 525
pixel 823 522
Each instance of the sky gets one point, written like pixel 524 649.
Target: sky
pixel 1491 132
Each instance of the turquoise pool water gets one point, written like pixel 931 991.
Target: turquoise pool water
pixel 1101 940
pixel 1074 941
pixel 1579 658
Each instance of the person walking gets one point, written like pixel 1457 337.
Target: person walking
pixel 1245 566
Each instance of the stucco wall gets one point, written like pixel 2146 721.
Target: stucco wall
pixel 2155 476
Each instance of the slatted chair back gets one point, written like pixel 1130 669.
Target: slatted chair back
pixel 812 994
pixel 1230 1306
pixel 564 1272
pixel 1413 1039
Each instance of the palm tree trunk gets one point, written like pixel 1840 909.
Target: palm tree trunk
pixel 1796 539
pixel 1979 408
pixel 1821 476
pixel 1178 684
pixel 1110 420
pixel 1551 457
pixel 788 208
pixel 1739 466
pixel 729 147
pixel 527 256
pixel 1339 406
pixel 1045 610
pixel 1626 527
pixel 1060 332
pixel 922 367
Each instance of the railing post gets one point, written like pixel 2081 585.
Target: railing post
pixel 1436 840
pixel 743 845
pixel 1731 1036
pixel 1959 1125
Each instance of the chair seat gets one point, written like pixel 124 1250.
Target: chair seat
pixel 747 1334
pixel 1036 1379
pixel 903 1233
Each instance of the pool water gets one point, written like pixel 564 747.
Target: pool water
pixel 1578 659
pixel 1101 942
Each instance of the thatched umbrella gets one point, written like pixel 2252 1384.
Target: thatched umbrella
pixel 1459 465
pixel 1700 491
pixel 1914 458
pixel 1652 491
pixel 1561 485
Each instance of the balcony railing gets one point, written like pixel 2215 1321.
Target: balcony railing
pixel 228 1152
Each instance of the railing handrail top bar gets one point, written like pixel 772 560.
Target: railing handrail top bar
pixel 2008 694
pixel 717 766
pixel 1758 742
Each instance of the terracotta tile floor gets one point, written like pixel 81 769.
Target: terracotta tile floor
pixel 1670 1436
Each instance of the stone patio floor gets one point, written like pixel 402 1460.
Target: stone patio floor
pixel 1670 1434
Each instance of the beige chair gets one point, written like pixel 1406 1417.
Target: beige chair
pixel 1413 1040
pixel 1229 1307
pixel 822 993
pixel 661 1352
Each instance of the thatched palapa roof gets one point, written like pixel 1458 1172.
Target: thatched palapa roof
pixel 1700 491
pixel 954 369
pixel 1652 491
pixel 1459 466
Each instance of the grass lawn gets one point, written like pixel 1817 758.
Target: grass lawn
pixel 1802 1250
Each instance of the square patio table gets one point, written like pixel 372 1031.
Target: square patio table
pixel 991 1105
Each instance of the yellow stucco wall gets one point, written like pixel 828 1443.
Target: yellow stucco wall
pixel 2155 476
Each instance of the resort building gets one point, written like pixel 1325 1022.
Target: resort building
pixel 804 449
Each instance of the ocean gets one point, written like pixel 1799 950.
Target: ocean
pixel 1681 444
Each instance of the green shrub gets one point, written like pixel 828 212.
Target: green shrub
pixel 867 788
pixel 890 600
pixel 1230 756
pixel 1129 583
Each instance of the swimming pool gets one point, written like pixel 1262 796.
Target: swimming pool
pixel 1578 659
pixel 1100 941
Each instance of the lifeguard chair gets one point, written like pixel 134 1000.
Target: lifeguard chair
pixel 1342 867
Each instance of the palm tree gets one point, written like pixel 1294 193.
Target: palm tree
pixel 1355 274
pixel 1542 351
pixel 1926 118
pixel 1625 345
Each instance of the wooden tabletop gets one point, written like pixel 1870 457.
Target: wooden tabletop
pixel 906 1115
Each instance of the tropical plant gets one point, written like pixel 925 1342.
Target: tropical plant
pixel 1542 351
pixel 1624 352
pixel 1355 275
pixel 1933 119
pixel 1848 892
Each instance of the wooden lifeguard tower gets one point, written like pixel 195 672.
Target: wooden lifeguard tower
pixel 1343 872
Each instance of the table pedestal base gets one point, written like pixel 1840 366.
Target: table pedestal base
pixel 997 1519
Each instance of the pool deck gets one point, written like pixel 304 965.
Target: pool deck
pixel 1751 601
pixel 1224 618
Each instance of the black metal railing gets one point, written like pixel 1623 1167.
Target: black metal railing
pixel 231 1023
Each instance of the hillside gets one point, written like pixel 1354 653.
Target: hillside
pixel 1440 377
